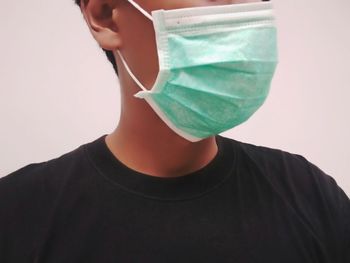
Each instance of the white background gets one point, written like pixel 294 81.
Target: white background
pixel 58 91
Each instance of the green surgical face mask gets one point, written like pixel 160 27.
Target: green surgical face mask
pixel 216 66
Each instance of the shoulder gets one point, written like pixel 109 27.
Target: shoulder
pixel 292 170
pixel 292 173
pixel 282 166
pixel 273 159
pixel 29 198
pixel 35 174
pixel 314 196
pixel 39 184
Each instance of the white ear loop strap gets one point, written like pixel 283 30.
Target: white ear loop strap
pixel 143 11
pixel 146 14
pixel 130 72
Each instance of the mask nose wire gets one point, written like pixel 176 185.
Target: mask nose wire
pixel 143 11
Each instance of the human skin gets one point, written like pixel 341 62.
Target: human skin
pixel 141 140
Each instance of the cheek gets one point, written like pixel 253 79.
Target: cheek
pixel 139 45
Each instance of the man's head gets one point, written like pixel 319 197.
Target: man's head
pixel 117 24
pixel 127 34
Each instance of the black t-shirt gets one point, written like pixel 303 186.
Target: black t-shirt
pixel 250 204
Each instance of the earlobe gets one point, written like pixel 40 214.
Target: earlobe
pixel 101 18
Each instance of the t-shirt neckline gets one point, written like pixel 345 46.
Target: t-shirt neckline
pixel 183 187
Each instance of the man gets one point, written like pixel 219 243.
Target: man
pixel 164 187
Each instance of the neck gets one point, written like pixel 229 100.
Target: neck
pixel 160 155
pixel 144 143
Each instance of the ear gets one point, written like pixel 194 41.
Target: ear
pixel 101 18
